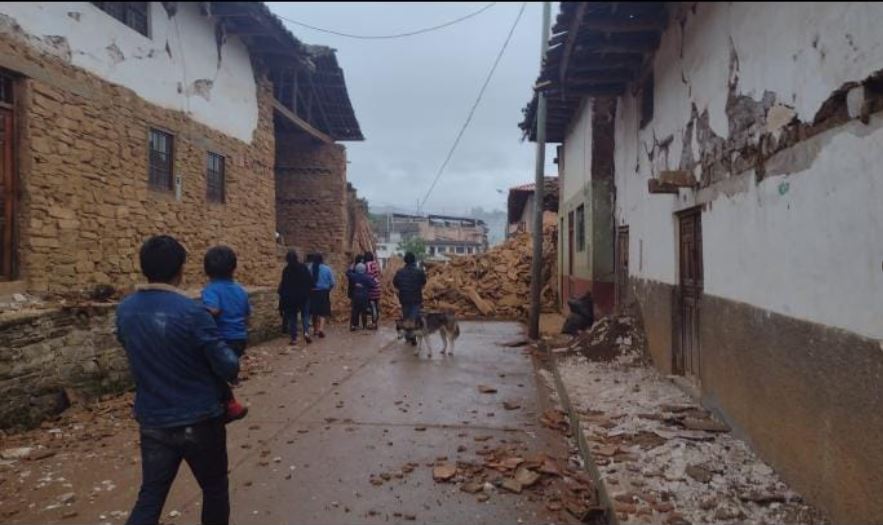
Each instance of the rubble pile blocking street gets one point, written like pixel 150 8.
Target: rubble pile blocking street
pixel 490 285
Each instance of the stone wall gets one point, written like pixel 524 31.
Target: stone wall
pixel 311 196
pixel 83 169
pixel 53 356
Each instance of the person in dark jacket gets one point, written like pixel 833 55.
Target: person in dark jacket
pixel 294 296
pixel 357 260
pixel 179 363
pixel 361 285
pixel 409 281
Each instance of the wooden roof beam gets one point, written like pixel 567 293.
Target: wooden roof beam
pixel 604 76
pixel 624 46
pixel 300 123
pixel 571 39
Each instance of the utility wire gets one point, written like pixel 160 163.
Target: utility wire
pixel 487 81
pixel 386 37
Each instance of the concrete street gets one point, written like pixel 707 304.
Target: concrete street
pixel 325 420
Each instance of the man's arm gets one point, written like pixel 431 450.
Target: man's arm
pixel 221 358
pixel 397 279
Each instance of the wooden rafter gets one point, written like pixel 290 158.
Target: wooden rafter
pixel 301 123
pixel 571 39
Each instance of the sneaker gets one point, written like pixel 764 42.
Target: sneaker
pixel 352 329
pixel 293 342
pixel 235 411
pixel 321 335
pixel 308 339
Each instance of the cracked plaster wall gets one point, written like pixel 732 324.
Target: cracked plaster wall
pixel 176 68
pixel 798 229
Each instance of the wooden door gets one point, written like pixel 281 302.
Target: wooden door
pixel 622 265
pixel 7 193
pixel 687 359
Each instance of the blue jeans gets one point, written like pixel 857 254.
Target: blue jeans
pixel 203 446
pixel 291 319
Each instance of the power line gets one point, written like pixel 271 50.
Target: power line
pixel 386 37
pixel 487 81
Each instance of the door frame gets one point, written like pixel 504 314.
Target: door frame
pixel 10 179
pixel 570 243
pixel 686 359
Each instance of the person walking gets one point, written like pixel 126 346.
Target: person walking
pixel 179 363
pixel 373 270
pixel 409 282
pixel 361 285
pixel 320 296
pixel 294 296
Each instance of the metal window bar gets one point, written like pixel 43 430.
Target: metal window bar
pixel 160 171
pixel 214 177
pixel 133 14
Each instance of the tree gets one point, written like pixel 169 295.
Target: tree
pixel 415 245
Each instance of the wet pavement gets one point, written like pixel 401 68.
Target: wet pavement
pixel 343 431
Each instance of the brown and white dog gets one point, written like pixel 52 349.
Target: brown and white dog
pixel 445 324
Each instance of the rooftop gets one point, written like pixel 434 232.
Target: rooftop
pixel 596 49
pixel 308 83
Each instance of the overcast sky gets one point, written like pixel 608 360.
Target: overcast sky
pixel 411 95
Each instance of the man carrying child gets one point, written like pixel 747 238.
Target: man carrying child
pixel 180 366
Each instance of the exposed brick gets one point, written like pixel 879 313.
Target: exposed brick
pixel 84 173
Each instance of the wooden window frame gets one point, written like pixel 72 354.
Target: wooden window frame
pixel 123 11
pixel 152 181
pixel 220 195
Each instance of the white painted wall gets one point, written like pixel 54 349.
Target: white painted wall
pixel 165 78
pixel 577 154
pixel 808 244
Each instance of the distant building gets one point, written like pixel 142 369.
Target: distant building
pixel 520 206
pixel 444 235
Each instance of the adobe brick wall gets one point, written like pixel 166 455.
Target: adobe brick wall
pixel 311 196
pixel 85 203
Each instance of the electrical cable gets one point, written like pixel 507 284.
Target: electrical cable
pixel 474 106
pixel 387 37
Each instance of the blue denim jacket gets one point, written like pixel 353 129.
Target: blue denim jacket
pixel 176 357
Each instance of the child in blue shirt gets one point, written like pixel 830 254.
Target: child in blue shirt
pixel 227 301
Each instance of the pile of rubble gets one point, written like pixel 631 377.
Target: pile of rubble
pixel 494 284
pixel 509 468
pixel 663 457
pixel 612 338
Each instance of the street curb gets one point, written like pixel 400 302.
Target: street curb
pixel 582 444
